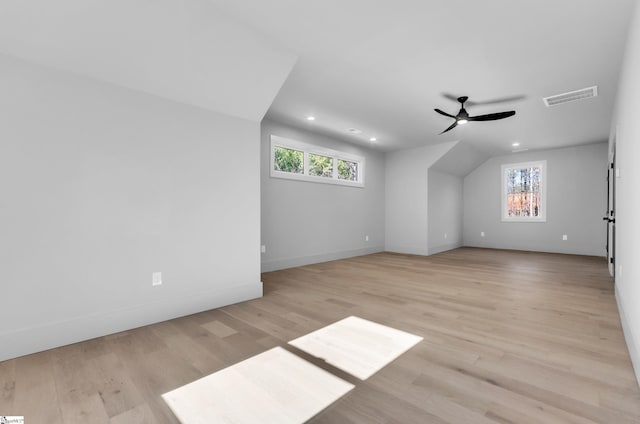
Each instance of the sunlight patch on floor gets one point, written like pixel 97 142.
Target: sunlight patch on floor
pixel 273 387
pixel 357 346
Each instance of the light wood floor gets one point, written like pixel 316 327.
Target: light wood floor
pixel 509 337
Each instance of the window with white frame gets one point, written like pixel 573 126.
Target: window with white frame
pixel 301 161
pixel 524 192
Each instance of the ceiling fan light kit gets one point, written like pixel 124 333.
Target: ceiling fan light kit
pixel 463 117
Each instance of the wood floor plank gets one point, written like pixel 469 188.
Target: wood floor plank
pixel 509 337
pixel 36 396
pixel 139 415
pixel 114 386
pixel 78 386
pixel 7 386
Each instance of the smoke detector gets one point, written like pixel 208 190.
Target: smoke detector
pixel 571 96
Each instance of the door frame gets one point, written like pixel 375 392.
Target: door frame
pixel 610 216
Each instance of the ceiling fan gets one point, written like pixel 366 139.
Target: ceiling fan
pixel 463 117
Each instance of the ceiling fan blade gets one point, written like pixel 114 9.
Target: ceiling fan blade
pixel 492 116
pixel 444 113
pixel 450 96
pixel 507 99
pixel 455 124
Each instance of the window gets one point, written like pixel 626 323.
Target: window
pixel 347 170
pixel 524 192
pixel 320 166
pixel 289 160
pixel 300 161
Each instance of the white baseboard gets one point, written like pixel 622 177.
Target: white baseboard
pixel 407 250
pixel 277 264
pixel 563 251
pixel 421 251
pixel 634 352
pixel 443 248
pixel 25 341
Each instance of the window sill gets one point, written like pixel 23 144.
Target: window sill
pixel 520 220
pixel 312 179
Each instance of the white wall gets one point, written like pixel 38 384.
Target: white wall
pixel 305 222
pixel 626 133
pixel 445 205
pixel 100 187
pixel 406 199
pixel 576 203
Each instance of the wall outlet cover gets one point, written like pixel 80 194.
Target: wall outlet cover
pixel 263 249
pixel 564 237
pixel 156 278
pixel 481 233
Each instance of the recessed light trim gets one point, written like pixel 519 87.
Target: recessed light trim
pixel 311 118
pixel 373 139
pixel 354 130
pixel 516 144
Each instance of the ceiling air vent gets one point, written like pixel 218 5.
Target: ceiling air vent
pixel 571 96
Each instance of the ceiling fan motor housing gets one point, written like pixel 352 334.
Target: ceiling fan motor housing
pixel 463 117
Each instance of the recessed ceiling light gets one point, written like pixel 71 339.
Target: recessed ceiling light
pixel 354 130
pixel 515 144
pixel 372 139
pixel 311 118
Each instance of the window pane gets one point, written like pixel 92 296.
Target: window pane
pixel 347 170
pixel 320 166
pixel 288 160
pixel 523 192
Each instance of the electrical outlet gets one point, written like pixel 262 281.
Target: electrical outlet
pixel 263 249
pixel 564 237
pixel 366 238
pixel 156 278
pixel 445 235
pixel 620 271
pixel 617 172
pixel 481 233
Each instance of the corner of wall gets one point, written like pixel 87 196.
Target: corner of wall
pixel 302 221
pixel 439 249
pixel 278 264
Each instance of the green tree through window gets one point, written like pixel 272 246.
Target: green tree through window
pixel 347 170
pixel 320 166
pixel 300 161
pixel 288 160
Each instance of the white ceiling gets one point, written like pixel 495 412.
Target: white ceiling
pixel 380 66
pixel 184 50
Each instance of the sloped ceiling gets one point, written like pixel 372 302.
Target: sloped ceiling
pixel 383 67
pixel 378 66
pixel 188 51
pixel 460 160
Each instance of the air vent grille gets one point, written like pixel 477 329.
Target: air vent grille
pixel 571 96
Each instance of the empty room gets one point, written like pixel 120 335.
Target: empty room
pixel 352 212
